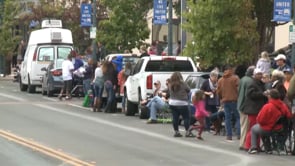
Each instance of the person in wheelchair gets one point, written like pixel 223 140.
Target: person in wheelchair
pixel 270 119
pixel 158 101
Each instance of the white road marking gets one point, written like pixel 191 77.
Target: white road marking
pixel 244 159
pixel 12 97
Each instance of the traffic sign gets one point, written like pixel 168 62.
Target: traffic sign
pixel 85 17
pixel 291 34
pixel 160 12
pixel 282 10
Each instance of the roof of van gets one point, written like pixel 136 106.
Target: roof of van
pixel 51 35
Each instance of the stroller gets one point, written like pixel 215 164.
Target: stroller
pixel 78 83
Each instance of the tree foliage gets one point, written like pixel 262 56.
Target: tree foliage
pixel 126 26
pixel 8 36
pixel 223 32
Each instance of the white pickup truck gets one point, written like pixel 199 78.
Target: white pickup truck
pixel 147 70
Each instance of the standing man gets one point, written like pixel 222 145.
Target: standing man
pixel 227 90
pixel 101 51
pixel 254 101
pixel 67 69
pixel 243 88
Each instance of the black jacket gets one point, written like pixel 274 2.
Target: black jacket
pixel 255 98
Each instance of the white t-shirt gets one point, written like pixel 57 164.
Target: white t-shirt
pixel 67 66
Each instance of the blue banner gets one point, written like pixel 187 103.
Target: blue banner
pixel 282 10
pixel 160 12
pixel 85 17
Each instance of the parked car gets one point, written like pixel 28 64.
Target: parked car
pixel 45 45
pixel 139 85
pixel 52 78
pixel 196 80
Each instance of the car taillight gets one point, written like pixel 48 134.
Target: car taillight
pixel 56 72
pixel 35 55
pixel 149 82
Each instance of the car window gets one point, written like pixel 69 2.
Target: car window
pixel 171 65
pixel 137 66
pixel 63 52
pixel 195 82
pixel 46 54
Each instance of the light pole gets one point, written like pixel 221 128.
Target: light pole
pixel 183 33
pixel 170 28
pixel 94 25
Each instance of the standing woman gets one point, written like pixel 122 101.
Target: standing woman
pixel 98 82
pixel 178 103
pixel 110 84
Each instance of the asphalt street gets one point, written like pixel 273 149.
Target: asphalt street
pixel 107 139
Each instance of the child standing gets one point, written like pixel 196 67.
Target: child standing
pixel 198 101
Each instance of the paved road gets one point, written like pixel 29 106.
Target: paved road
pixel 112 139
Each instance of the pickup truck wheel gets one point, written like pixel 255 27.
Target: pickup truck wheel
pixel 31 88
pixel 22 86
pixel 131 108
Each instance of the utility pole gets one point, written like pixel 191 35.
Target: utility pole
pixel 170 28
pixel 183 33
pixel 94 25
pixel 293 44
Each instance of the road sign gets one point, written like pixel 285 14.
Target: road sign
pixel 85 17
pixel 291 34
pixel 160 12
pixel 92 32
pixel 282 10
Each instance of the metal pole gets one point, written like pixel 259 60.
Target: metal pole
pixel 170 28
pixel 94 24
pixel 183 33
pixel 293 44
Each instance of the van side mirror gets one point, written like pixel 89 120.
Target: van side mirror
pixel 43 69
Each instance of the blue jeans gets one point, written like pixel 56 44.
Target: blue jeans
pixel 212 109
pixel 86 86
pixel 230 108
pixel 182 110
pixel 110 95
pixel 98 91
pixel 156 103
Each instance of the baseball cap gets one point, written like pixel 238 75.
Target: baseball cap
pixel 280 56
pixel 287 70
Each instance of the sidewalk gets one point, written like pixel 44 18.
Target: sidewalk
pixel 6 78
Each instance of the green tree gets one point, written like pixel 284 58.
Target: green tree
pixel 8 33
pixel 223 32
pixel 126 26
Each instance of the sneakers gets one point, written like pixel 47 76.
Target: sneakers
pixel 152 121
pixel 68 97
pixel 177 134
pixel 189 134
pixel 253 151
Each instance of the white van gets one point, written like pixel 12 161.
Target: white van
pixel 45 45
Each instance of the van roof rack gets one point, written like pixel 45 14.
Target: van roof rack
pixel 51 23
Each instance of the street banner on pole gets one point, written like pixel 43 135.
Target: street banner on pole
pixel 85 17
pixel 160 12
pixel 282 10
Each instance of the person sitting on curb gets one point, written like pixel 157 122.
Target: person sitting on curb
pixel 267 120
pixel 158 102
